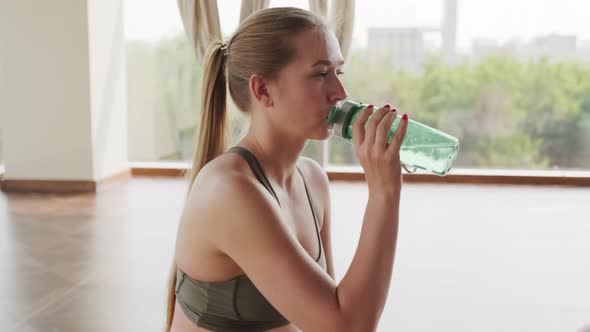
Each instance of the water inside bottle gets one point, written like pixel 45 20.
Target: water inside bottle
pixel 435 158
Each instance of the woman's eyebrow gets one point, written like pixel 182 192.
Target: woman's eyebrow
pixel 326 63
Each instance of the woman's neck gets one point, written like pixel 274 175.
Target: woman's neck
pixel 276 153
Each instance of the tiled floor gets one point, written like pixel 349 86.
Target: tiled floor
pixel 470 258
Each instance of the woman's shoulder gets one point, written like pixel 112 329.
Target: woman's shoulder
pixel 314 174
pixel 223 198
pixel 233 170
pixel 225 172
pixel 229 175
pixel 221 193
pixel 312 167
pixel 224 186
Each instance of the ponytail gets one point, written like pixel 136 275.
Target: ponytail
pixel 261 46
pixel 211 139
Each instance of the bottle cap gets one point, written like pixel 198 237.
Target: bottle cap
pixel 340 115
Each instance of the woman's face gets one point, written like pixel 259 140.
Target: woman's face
pixel 307 88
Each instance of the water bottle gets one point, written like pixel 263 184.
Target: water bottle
pixel 423 147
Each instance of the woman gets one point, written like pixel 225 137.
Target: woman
pixel 253 250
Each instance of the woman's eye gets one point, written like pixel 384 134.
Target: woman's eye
pixel 324 73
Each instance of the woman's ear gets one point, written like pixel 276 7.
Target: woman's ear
pixel 260 89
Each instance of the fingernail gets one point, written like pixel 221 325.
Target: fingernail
pixel 370 107
pixel 394 110
pixel 405 117
pixel 387 106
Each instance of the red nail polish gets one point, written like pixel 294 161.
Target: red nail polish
pixel 394 110
pixel 405 117
pixel 370 107
pixel 388 106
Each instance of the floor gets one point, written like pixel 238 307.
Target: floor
pixel 470 258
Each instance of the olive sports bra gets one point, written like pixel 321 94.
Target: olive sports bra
pixel 235 304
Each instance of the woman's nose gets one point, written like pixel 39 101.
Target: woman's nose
pixel 338 91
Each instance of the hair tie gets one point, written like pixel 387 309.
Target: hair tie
pixel 224 49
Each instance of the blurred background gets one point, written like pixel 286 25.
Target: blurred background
pixel 510 79
pixel 99 104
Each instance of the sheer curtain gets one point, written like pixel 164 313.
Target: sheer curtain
pixel 201 23
pixel 341 19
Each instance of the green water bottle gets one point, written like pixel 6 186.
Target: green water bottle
pixel 423 147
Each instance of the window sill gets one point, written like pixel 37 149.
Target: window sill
pixel 478 176
pixel 456 176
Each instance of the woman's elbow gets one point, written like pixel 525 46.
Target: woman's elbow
pixel 351 323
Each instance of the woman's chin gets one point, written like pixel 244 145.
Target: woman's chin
pixel 322 132
pixel 325 134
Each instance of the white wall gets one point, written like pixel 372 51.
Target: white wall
pixel 63 89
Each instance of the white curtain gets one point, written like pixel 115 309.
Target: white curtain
pixel 201 23
pixel 341 19
pixel 202 26
pixel 251 6
pixel 320 7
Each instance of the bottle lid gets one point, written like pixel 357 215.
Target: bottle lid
pixel 340 116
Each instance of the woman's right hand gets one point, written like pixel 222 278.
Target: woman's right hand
pixel 380 160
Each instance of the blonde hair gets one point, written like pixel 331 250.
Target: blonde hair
pixel 261 45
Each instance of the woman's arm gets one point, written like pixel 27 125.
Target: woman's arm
pixel 250 229
pixel 382 251
pixel 326 236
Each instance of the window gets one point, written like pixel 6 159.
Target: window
pixel 514 88
pixel 516 94
pixel 164 81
